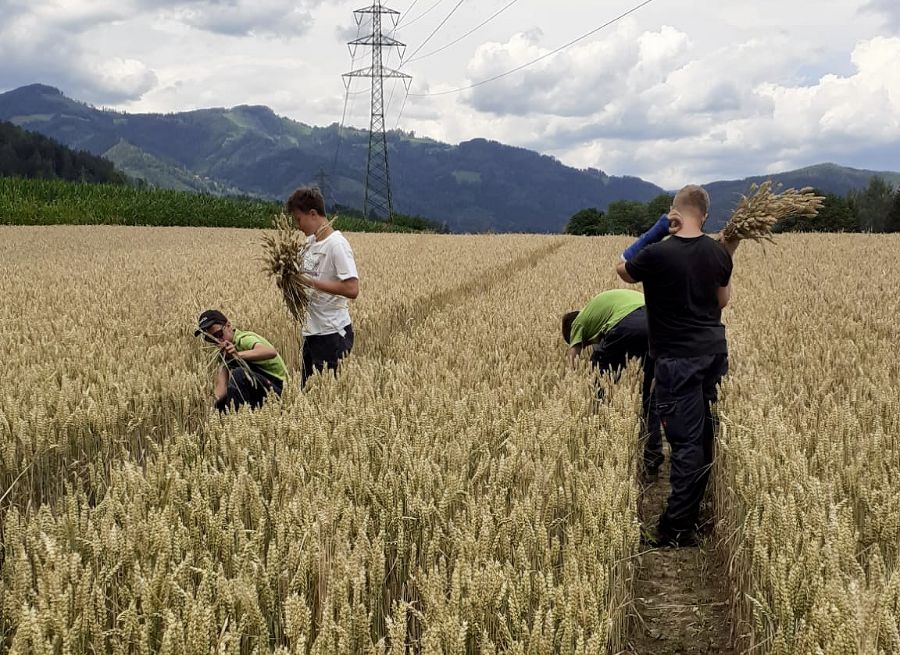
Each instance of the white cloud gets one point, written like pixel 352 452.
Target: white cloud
pixel 671 94
pixel 889 9
pixel 247 17
pixel 838 118
pixel 579 80
pixel 41 43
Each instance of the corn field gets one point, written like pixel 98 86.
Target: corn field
pixel 57 202
pixel 455 489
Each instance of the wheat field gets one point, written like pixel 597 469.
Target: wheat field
pixel 455 490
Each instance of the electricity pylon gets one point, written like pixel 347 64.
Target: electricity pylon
pixel 379 201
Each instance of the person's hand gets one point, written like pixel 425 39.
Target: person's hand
pixel 308 281
pixel 731 245
pixel 676 221
pixel 228 349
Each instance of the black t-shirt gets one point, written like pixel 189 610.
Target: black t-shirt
pixel 681 279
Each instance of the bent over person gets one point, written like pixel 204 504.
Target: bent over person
pixel 687 282
pixel 252 368
pixel 614 323
pixel 330 270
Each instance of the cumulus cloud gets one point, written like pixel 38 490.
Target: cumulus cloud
pixel 852 119
pixel 889 9
pixel 579 80
pixel 61 42
pixel 632 85
pixel 42 42
pixel 247 17
pixel 667 94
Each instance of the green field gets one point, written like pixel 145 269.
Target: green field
pixel 56 202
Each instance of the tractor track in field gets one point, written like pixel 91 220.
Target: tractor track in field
pixel 680 594
pixel 409 315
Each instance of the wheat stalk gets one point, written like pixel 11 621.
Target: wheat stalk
pixel 762 208
pixel 283 254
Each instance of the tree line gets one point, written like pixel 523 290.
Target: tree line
pixel 34 156
pixel 873 209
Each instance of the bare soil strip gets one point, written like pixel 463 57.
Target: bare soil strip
pixel 680 594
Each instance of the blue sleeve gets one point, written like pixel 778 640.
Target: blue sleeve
pixel 658 232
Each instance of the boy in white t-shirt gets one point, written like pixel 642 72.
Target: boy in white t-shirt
pixel 331 272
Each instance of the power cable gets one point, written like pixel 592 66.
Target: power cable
pixel 541 58
pixel 469 33
pixel 436 29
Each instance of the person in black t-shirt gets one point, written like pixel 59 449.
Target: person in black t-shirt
pixel 687 283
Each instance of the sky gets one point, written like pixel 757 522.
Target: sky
pixel 679 91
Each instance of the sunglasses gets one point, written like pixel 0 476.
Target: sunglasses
pixel 213 337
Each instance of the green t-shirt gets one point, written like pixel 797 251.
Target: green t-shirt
pixel 603 313
pixel 247 340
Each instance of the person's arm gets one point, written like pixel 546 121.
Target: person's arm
pixel 623 273
pixel 632 261
pixel 574 352
pixel 724 295
pixel 346 288
pixel 731 245
pixel 260 352
pixel 658 232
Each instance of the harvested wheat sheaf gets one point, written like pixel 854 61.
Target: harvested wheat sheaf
pixel 759 211
pixel 283 257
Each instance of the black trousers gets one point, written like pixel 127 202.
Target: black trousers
pixel 247 387
pixel 628 340
pixel 686 389
pixel 325 351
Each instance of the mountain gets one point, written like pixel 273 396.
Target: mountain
pixel 830 178
pixel 474 186
pixel 31 155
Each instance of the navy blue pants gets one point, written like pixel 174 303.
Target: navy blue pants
pixel 247 388
pixel 686 388
pixel 628 340
pixel 325 351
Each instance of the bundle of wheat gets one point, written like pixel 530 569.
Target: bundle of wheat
pixel 763 208
pixel 283 258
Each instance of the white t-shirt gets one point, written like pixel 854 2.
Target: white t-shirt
pixel 330 259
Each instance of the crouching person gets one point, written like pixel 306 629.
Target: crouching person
pixel 614 323
pixel 252 368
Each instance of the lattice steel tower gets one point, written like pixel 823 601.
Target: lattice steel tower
pixel 379 202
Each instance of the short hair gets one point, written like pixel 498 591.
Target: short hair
pixel 306 199
pixel 567 321
pixel 695 196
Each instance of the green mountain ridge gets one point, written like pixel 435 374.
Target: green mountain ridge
pixel 472 186
pixel 829 177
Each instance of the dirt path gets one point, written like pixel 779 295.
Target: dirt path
pixel 680 601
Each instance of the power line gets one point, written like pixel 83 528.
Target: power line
pixel 469 33
pixel 402 107
pixel 436 29
pixel 541 58
pixel 405 14
pixel 419 17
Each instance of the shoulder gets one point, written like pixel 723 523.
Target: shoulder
pixel 718 248
pixel 656 251
pixel 246 336
pixel 337 241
